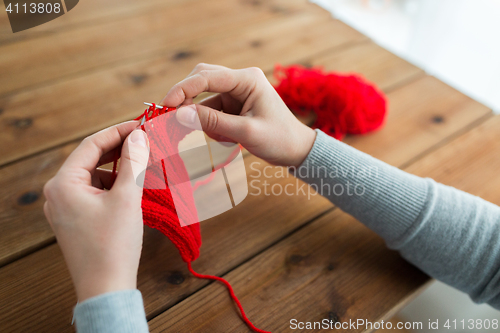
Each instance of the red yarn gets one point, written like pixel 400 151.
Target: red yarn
pixel 233 296
pixel 158 209
pixel 343 104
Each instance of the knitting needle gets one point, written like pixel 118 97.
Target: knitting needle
pixel 143 120
pixel 157 106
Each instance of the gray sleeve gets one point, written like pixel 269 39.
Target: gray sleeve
pixel 449 234
pixel 119 311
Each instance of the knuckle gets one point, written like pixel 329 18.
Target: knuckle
pixel 57 189
pixel 90 141
pixel 48 189
pixel 256 71
pixel 200 66
pixel 87 140
pixel 46 211
pixel 212 121
pixel 203 73
pixel 178 92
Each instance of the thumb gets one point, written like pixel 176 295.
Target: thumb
pixel 133 163
pixel 211 121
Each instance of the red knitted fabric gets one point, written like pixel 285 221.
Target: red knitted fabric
pixel 343 104
pixel 158 209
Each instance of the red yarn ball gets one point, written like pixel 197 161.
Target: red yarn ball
pixel 343 104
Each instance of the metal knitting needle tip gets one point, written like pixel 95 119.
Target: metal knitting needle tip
pixel 143 120
pixel 157 106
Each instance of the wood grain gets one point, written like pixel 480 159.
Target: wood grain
pixel 36 295
pixel 94 47
pixel 334 268
pixel 22 223
pixel 90 12
pixel 96 12
pixel 469 163
pixel 421 113
pixel 372 61
pixel 33 279
pixel 83 105
pixel 367 59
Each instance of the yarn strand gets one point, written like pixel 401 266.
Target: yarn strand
pixel 231 292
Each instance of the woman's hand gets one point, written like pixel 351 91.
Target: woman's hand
pixel 100 232
pixel 253 113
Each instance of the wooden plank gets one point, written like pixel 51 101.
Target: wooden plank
pixel 55 56
pixel 92 12
pixel 36 292
pixel 39 274
pixel 372 61
pixel 22 223
pixel 367 59
pixel 42 118
pixel 88 12
pixel 334 269
pixel 229 240
pixel 421 113
pixel 469 163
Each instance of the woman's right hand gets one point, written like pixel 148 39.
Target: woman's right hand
pixel 247 110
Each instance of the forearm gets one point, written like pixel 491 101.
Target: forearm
pixel 451 235
pixel 121 311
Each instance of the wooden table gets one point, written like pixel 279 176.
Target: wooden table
pixel 287 257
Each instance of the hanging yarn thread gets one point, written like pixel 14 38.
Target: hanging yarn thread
pixel 342 104
pixel 158 208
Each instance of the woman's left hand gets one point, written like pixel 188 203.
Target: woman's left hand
pixel 99 231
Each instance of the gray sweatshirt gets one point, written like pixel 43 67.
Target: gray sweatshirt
pixel 449 234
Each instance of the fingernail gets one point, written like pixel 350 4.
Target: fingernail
pixel 139 137
pixel 187 114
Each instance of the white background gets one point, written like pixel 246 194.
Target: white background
pixel 457 41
